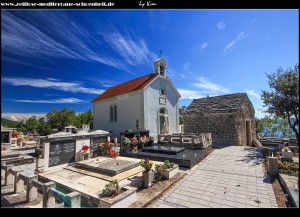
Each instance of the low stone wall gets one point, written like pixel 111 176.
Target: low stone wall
pixel 50 194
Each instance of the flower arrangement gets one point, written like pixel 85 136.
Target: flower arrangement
pixel 85 148
pixel 134 141
pixel 126 141
pixel 15 134
pixel 285 148
pixel 147 164
pixel 106 149
pixel 144 139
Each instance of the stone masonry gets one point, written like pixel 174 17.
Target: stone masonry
pixel 224 116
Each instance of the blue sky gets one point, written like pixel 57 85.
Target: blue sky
pixel 65 58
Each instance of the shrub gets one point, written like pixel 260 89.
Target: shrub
pixel 289 168
pixel 111 189
pixel 159 168
pixel 168 164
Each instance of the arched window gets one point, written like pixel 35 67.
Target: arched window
pixel 163 121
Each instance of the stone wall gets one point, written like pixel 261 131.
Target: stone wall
pixel 226 128
pixel 246 113
pixel 223 127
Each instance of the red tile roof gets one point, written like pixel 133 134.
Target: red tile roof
pixel 127 87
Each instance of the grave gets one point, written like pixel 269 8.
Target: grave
pixel 6 138
pixel 16 158
pixel 89 177
pixel 185 158
pixel 109 166
pixel 163 149
pixel 65 147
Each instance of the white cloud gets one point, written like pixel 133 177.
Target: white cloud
pixel 229 47
pixel 204 45
pixel 73 87
pixel 133 50
pixel 207 85
pixel 186 66
pixel 182 75
pixel 253 93
pixel 47 94
pixel 28 42
pixel 53 101
pixel 107 85
pixel 21 116
pixel 221 25
pixel 190 94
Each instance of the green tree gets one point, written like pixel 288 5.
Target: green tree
pixel 283 98
pixel 85 118
pixel 21 127
pixel 43 128
pixel 181 110
pixel 53 118
pixel 32 124
pixel 60 119
pixel 262 124
pixel 259 126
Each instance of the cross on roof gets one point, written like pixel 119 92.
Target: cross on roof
pixel 160 53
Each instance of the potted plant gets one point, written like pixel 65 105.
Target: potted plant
pixel 114 196
pixel 148 174
pixel 134 142
pixel 126 144
pixel 159 168
pixel 107 150
pixel 84 152
pixel 85 148
pixel 170 169
pixel 143 141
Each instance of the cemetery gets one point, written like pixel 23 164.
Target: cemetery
pixel 84 169
pixel 73 170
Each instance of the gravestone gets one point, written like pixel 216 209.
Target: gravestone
pixel 4 137
pixel 62 152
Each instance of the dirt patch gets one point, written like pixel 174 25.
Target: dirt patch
pixel 279 194
pixel 147 196
pixel 281 199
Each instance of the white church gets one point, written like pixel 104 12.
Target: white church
pixel 150 100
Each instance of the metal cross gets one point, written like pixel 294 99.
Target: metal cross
pixel 160 53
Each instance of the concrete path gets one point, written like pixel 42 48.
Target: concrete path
pixel 229 177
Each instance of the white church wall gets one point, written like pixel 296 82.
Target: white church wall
pixel 152 106
pixel 129 109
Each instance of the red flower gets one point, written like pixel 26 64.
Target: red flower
pixel 85 147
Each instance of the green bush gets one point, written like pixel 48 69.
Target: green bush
pixel 159 168
pixel 111 189
pixel 168 164
pixel 289 168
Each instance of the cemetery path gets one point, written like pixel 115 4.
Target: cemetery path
pixel 231 176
